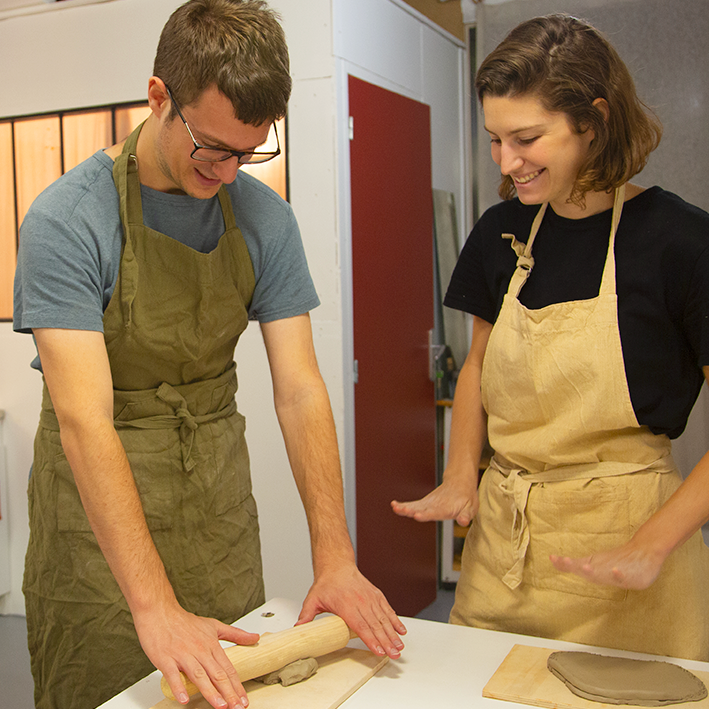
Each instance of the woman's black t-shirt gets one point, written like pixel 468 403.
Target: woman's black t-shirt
pixel 662 283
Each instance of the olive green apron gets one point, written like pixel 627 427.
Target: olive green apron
pixel 170 328
pixel 573 473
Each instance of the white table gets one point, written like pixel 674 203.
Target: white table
pixel 442 665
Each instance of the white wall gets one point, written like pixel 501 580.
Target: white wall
pixel 98 54
pixel 20 397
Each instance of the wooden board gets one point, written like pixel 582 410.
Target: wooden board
pixel 523 677
pixel 339 675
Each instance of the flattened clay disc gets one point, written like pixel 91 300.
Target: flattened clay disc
pixel 619 680
pixel 291 674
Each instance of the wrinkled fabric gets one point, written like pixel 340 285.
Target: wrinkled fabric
pixel 573 474
pixel 170 329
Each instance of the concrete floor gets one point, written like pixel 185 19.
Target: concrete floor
pixel 440 609
pixel 15 676
pixel 16 679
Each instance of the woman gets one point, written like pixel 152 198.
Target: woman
pixel 590 345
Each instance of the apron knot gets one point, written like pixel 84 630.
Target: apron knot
pixel 188 422
pixel 516 484
pixel 515 487
pixel 525 262
pixel 187 418
pixel 187 414
pixel 517 245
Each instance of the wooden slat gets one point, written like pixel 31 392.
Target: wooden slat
pixel 8 257
pixel 37 158
pixel 127 119
pixel 84 134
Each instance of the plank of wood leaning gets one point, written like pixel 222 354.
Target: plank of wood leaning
pixel 523 677
pixel 339 675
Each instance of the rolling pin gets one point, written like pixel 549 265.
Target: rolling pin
pixel 276 650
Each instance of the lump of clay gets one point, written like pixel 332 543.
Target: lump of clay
pixel 619 680
pixel 291 674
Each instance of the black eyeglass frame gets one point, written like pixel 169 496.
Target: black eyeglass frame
pixel 228 154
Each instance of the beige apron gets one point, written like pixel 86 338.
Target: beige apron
pixel 573 473
pixel 170 328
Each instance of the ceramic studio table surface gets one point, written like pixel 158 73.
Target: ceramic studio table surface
pixel 442 665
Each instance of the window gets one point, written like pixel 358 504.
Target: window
pixel 36 150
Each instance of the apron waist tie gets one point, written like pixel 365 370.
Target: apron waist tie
pixel 183 419
pixel 518 482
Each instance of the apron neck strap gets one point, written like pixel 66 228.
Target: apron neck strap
pixel 227 209
pixel 125 177
pixel 608 280
pixel 535 229
pixel 525 261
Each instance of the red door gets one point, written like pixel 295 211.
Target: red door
pixel 392 256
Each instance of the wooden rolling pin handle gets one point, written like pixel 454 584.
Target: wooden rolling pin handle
pixel 273 651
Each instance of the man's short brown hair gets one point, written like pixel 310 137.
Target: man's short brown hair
pixel 236 45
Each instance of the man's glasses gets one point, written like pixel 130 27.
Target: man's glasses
pixel 206 154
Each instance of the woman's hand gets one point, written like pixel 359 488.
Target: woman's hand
pixel 453 499
pixel 629 566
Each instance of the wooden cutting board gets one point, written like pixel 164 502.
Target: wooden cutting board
pixel 523 677
pixel 339 675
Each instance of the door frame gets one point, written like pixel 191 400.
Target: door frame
pixel 344 216
pixel 463 194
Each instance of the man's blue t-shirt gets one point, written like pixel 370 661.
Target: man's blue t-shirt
pixel 70 247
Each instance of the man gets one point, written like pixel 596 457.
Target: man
pixel 137 272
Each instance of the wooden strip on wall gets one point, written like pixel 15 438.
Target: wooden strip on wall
pixel 273 172
pixel 127 119
pixel 37 158
pixel 8 258
pixel 85 133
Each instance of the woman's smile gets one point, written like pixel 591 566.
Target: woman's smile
pixel 527 178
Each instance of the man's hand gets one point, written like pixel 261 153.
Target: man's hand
pixel 177 641
pixel 345 592
pixel 450 500
pixel 629 566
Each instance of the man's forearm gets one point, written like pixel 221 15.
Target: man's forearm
pixel 311 442
pixel 110 498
